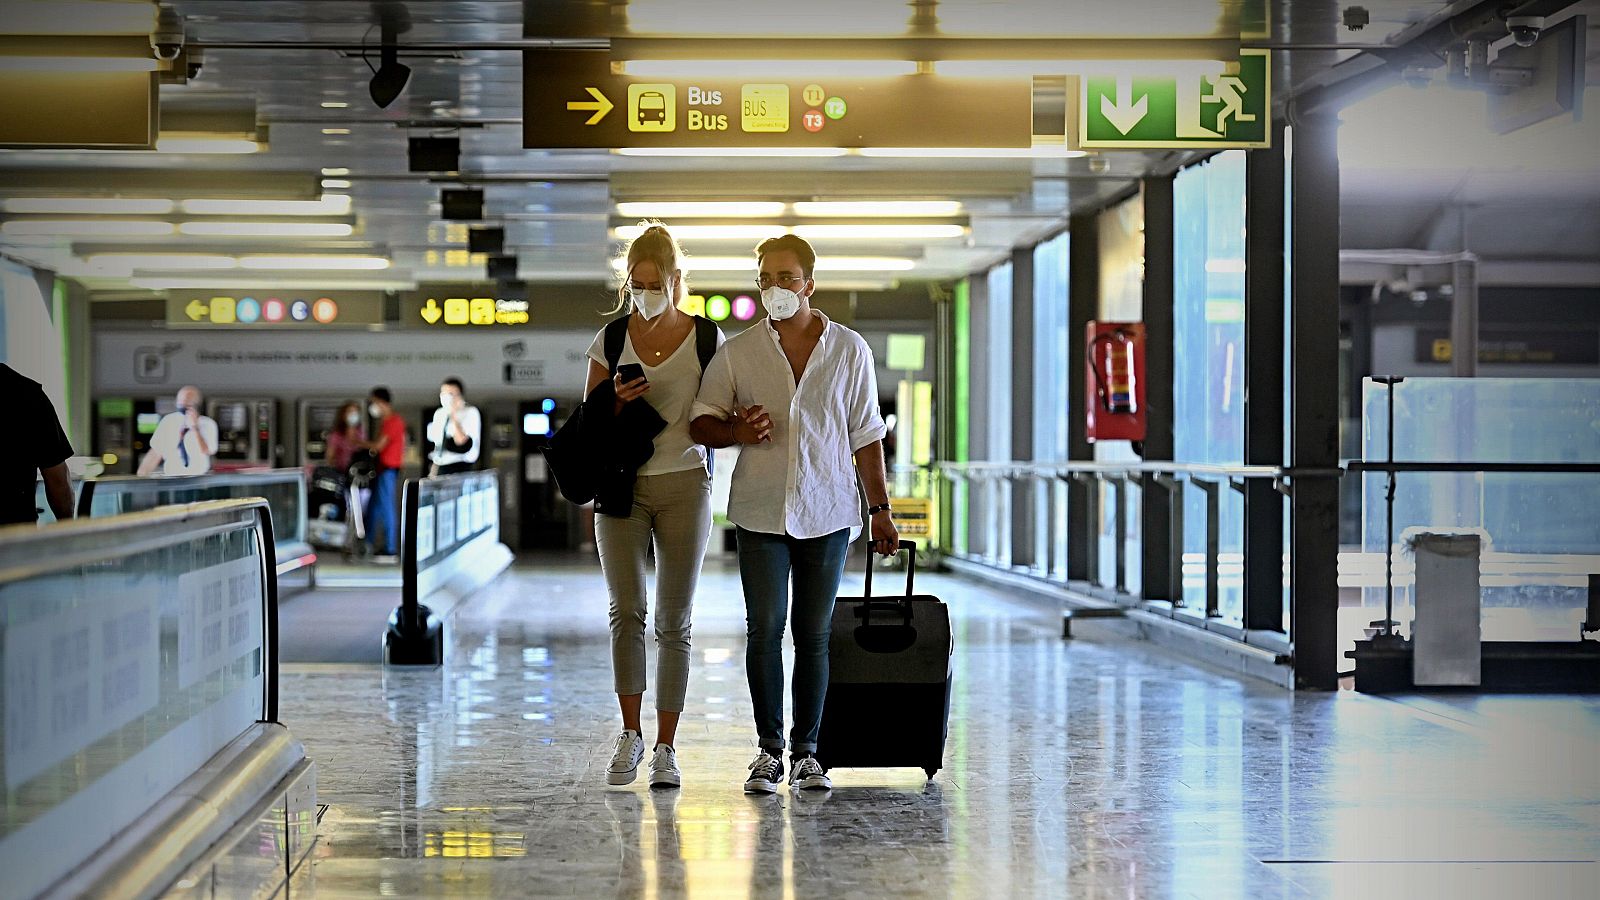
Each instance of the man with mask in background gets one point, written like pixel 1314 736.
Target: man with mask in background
pixel 184 441
pixel 798 394
pixel 389 446
pixel 455 432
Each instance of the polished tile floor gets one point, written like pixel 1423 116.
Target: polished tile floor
pixel 1098 767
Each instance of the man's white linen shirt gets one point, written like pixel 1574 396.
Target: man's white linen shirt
pixel 803 482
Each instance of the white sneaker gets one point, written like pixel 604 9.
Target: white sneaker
pixel 664 768
pixel 625 761
pixel 766 773
pixel 808 775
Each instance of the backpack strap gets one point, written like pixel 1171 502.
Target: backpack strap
pixel 616 335
pixel 705 340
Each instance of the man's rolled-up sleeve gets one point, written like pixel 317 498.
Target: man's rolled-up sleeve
pixel 866 423
pixel 716 397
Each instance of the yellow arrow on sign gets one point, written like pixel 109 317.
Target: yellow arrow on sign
pixel 599 105
pixel 431 312
pixel 197 310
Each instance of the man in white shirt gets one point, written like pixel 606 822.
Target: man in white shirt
pixel 797 393
pixel 455 432
pixel 184 441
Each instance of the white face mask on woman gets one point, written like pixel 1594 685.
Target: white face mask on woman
pixel 651 304
pixel 353 419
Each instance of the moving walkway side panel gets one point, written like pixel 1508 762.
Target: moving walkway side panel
pixel 138 669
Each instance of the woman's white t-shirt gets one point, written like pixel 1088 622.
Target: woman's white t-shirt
pixel 674 382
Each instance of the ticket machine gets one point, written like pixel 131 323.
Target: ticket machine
pixel 544 516
pixel 122 430
pixel 247 431
pixel 315 418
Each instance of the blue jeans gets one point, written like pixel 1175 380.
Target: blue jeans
pixel 382 513
pixel 767 562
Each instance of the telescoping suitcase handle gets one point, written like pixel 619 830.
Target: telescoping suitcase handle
pixel 903 608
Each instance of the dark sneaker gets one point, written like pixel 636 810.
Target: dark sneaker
pixel 808 775
pixel 766 774
pixel 624 765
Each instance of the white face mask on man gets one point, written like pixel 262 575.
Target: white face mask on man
pixel 781 303
pixel 374 410
pixel 651 304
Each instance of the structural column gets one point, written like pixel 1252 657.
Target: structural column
pixel 1083 303
pixel 1314 404
pixel 1023 503
pixel 1160 565
pixel 1263 383
pixel 980 512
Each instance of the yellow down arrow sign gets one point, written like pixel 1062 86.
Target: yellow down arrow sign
pixel 599 105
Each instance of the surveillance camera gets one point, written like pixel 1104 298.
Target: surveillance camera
pixel 195 60
pixel 1525 30
pixel 167 39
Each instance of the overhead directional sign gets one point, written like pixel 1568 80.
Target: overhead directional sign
pixel 274 309
pixel 1233 109
pixel 572 99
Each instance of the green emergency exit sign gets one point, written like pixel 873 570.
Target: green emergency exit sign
pixel 1127 112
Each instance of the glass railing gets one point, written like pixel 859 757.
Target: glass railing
pixel 1519 457
pixel 283 489
pixel 134 648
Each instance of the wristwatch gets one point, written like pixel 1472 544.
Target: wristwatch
pixel 881 507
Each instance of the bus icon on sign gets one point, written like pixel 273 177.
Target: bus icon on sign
pixel 650 107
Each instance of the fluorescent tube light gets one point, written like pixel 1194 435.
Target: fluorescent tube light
pixel 1127 68
pixel 129 262
pixel 706 232
pixel 879 232
pixel 87 227
pixel 335 184
pixel 266 229
pixel 231 145
pixel 768 68
pixel 112 206
pixel 699 209
pixel 270 283
pixel 328 263
pixel 335 172
pixel 824 264
pixel 77 64
pixel 910 209
pixel 731 151
pixel 1043 151
pixel 329 205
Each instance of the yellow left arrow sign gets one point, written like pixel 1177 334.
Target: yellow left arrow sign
pixel 600 105
pixel 196 310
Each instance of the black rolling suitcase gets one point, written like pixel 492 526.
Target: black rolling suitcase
pixel 889 677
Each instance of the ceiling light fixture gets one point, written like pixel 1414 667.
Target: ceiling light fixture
pixel 87 227
pixel 1042 151
pixel 699 209
pixel 266 229
pixel 337 184
pixel 267 282
pixel 706 232
pixel 824 264
pixel 767 68
pixel 876 209
pixel 213 144
pixel 336 172
pixel 1141 68
pixel 320 263
pixel 334 104
pixel 329 205
pixel 127 263
pixel 884 231
pixel 732 151
pixel 113 206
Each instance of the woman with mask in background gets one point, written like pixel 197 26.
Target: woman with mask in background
pixel 345 437
pixel 644 373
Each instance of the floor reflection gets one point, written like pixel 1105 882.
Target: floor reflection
pixel 1095 768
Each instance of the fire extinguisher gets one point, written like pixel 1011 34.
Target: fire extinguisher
pixel 1114 371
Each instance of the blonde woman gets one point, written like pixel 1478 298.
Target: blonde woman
pixel 644 373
